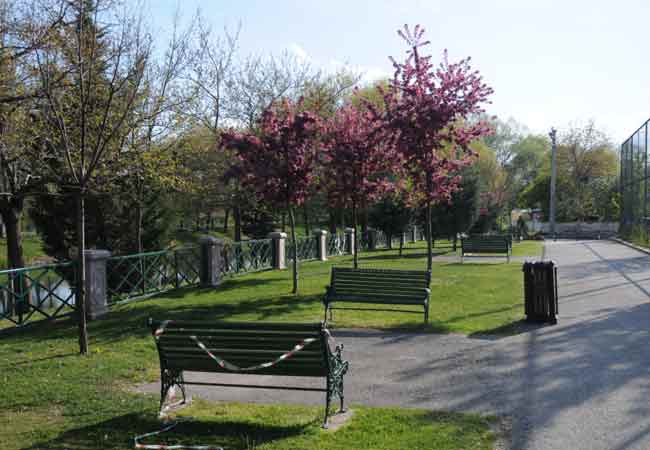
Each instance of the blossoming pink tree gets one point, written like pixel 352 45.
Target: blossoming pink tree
pixel 426 108
pixel 359 160
pixel 278 162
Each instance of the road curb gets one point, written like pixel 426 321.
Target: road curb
pixel 631 245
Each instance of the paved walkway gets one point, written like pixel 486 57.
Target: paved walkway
pixel 582 384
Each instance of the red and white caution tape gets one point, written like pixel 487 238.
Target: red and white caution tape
pixel 233 368
pixel 169 447
pixel 224 365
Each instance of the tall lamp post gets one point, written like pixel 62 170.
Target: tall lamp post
pixel 553 136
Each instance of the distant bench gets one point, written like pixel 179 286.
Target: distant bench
pixel 245 348
pixel 378 286
pixel 486 244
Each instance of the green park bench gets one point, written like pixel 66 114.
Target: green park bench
pixel 248 348
pixel 493 244
pixel 378 286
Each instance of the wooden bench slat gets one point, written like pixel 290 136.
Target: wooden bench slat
pixel 381 285
pixel 242 351
pixel 236 333
pixel 377 300
pixel 378 286
pixel 248 345
pixel 242 326
pixel 371 290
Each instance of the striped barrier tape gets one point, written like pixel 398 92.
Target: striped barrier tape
pixel 224 365
pixel 233 368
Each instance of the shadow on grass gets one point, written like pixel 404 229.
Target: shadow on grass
pixel 405 255
pixel 118 433
pixel 130 320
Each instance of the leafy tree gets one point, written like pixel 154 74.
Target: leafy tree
pixel 25 27
pixel 392 216
pixel 279 163
pixel 358 160
pixel 423 107
pixel 459 214
pixel 587 168
pixel 111 221
pixel 103 66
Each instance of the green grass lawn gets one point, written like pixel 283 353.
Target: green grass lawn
pixel 54 399
pixel 32 250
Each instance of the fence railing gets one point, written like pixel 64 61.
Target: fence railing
pixel 307 248
pixel 336 244
pixel 41 292
pixel 150 273
pixel 48 291
pixel 247 256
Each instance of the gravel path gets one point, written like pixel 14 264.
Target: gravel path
pixel 582 384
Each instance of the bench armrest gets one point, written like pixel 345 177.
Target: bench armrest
pixel 338 365
pixel 328 292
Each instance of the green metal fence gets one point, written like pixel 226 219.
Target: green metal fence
pixel 335 245
pixel 149 273
pixel 307 248
pixel 247 256
pixel 42 292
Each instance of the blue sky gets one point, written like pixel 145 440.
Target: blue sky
pixel 550 62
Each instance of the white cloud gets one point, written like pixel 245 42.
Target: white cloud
pixel 300 52
pixel 368 74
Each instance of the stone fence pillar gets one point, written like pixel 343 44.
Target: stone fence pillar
pixel 402 241
pixel 279 249
pixel 211 261
pixel 414 234
pixel 96 286
pixel 321 244
pixel 372 239
pixel 350 241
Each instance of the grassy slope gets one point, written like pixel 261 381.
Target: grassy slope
pixel 54 399
pixel 32 250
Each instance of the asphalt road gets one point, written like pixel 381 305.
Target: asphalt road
pixel 581 384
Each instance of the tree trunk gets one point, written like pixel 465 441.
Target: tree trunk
pixel 401 247
pixel 354 226
pixel 364 221
pixel 429 239
pixel 284 222
pixel 305 215
pixel 11 216
pixel 81 275
pixel 138 233
pixel 332 221
pixel 455 240
pixel 225 221
pixel 236 213
pixel 292 223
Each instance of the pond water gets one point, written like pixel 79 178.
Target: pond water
pixel 40 296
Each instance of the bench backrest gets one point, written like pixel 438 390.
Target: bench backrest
pixel 243 344
pixel 485 244
pixel 379 282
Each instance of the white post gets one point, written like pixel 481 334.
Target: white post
pixel 279 249
pixel 321 244
pixel 350 241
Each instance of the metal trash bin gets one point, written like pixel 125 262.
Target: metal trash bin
pixel 540 291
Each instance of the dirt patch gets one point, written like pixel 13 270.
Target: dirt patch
pixel 339 420
pixel 502 429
